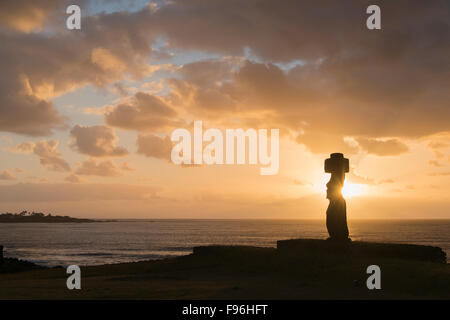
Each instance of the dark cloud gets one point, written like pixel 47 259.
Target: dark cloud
pixel 294 30
pixel 96 141
pixel 144 112
pixel 305 99
pixel 208 73
pixel 349 81
pixel 154 146
pixel 25 113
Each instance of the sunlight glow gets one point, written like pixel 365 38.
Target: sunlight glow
pixel 349 190
pixel 353 189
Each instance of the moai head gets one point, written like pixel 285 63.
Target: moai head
pixel 337 165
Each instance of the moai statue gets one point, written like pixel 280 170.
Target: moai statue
pixel 337 165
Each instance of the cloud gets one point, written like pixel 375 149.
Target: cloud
pixel 390 147
pixel 326 143
pixel 107 61
pixel 358 179
pixel 438 174
pixel 438 145
pixel 39 179
pixel 23 112
pixel 49 156
pixel 73 178
pixel 24 147
pixel 308 31
pixel 126 167
pixel 301 99
pixel 209 72
pixel 38 192
pixel 6 175
pixel 92 167
pixel 144 112
pixel 47 153
pixel 154 146
pixel 96 141
pixel 435 163
pixel 348 81
pixel 37 67
pixel 120 89
pixel 27 16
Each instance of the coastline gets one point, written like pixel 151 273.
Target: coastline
pixel 241 272
pixel 39 217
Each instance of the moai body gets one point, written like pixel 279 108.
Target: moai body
pixel 337 165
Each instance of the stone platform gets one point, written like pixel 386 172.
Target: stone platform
pixel 363 249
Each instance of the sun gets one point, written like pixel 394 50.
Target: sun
pixel 353 189
pixel 349 190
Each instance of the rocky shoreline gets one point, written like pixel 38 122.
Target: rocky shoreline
pixel 298 269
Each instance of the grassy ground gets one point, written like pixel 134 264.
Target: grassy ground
pixel 237 273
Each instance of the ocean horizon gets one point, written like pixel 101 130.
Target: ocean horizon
pixel 130 240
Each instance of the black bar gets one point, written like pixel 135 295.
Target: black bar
pixel 225 309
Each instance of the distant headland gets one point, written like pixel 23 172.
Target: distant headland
pixel 36 217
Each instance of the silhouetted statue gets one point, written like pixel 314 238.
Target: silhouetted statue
pixel 337 165
pixel 1 254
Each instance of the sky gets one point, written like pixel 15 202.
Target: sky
pixel 86 115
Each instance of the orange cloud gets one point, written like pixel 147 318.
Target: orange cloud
pixel 355 178
pixel 92 167
pixel 27 16
pixel 318 142
pixel 126 167
pixel 6 175
pixel 390 147
pixel 73 178
pixel 435 163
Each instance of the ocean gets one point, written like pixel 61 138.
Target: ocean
pixel 63 244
